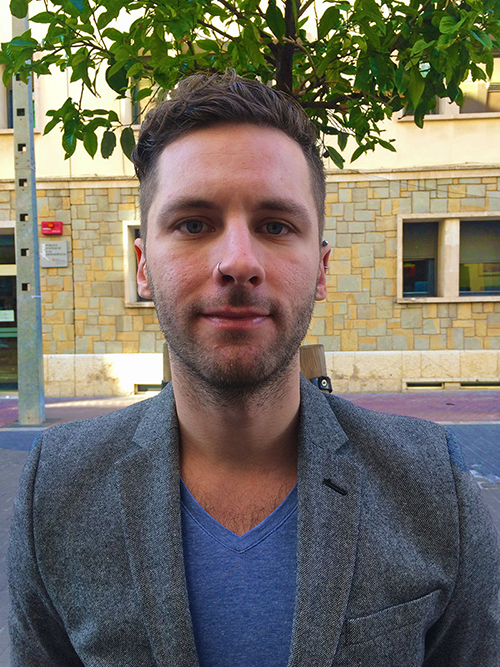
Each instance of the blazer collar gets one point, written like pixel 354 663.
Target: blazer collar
pixel 328 516
pixel 148 481
pixel 328 524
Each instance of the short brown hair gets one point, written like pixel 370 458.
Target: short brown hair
pixel 203 100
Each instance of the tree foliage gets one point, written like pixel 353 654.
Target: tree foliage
pixel 366 59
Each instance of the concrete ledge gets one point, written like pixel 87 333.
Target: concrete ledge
pixel 351 372
pixel 359 372
pixel 82 375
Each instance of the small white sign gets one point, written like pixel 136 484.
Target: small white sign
pixel 53 254
pixel 7 316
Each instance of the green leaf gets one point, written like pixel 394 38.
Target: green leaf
pixel 142 93
pixel 117 80
pixel 336 157
pixel 448 25
pixel 127 141
pixel 69 139
pixel 328 21
pixel 44 17
pixel 208 45
pixel 78 4
pixel 370 9
pixel 108 144
pixel 358 152
pixel 342 140
pixel 275 19
pixel 19 8
pixel 387 144
pixel 416 86
pixel 90 142
pixel 482 38
pixel 113 33
pixel 51 125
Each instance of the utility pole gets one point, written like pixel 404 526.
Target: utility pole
pixel 29 308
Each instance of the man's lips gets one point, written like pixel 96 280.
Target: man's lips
pixel 237 313
pixel 237 318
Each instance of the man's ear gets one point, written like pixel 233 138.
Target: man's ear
pixel 143 287
pixel 323 267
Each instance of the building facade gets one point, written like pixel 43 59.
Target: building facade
pixel 414 276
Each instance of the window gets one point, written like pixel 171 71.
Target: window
pixel 449 260
pixel 482 96
pixel 420 247
pixel 479 257
pixel 131 232
pixel 10 106
pixel 6 105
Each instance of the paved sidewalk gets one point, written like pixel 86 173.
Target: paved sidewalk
pixel 473 416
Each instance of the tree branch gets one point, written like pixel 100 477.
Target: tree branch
pixel 232 9
pixel 304 7
pixel 302 48
pixel 217 30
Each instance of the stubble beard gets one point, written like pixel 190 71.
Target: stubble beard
pixel 241 374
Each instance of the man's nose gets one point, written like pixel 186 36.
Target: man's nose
pixel 239 261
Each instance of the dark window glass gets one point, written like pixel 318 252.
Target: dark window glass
pixel 7 249
pixel 479 257
pixel 10 107
pixel 8 315
pixel 419 278
pixel 419 258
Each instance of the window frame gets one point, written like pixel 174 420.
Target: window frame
pixel 451 297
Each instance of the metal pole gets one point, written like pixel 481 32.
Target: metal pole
pixel 29 308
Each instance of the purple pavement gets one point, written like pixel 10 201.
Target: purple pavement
pixel 452 407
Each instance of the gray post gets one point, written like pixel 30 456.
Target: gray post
pixel 29 309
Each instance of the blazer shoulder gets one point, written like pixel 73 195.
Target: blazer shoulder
pixel 106 439
pixel 417 437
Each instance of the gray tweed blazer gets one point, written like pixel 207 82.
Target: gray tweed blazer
pixel 397 559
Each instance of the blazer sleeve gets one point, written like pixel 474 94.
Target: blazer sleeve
pixel 38 636
pixel 468 633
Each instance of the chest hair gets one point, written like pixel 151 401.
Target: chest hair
pixel 240 511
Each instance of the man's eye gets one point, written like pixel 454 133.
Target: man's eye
pixel 276 228
pixel 194 226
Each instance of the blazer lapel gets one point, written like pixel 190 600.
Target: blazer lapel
pixel 328 518
pixel 149 493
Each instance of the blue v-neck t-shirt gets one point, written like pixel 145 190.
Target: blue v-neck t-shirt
pixel 241 588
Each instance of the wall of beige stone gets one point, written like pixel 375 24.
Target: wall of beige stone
pixel 95 344
pixel 362 312
pixel 84 314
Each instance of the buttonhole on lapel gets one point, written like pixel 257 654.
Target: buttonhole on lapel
pixel 331 485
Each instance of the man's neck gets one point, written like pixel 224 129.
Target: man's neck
pixel 244 452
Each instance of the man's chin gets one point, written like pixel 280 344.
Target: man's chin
pixel 235 372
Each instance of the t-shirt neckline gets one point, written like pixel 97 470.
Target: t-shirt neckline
pixel 238 543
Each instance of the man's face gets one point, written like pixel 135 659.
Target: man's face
pixel 240 195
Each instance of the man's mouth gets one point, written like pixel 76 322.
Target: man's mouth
pixel 237 318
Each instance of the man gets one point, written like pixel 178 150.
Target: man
pixel 243 518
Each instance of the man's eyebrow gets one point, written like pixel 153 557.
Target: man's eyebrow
pixel 184 204
pixel 286 206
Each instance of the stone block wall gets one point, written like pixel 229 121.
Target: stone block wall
pixel 362 312
pixel 87 326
